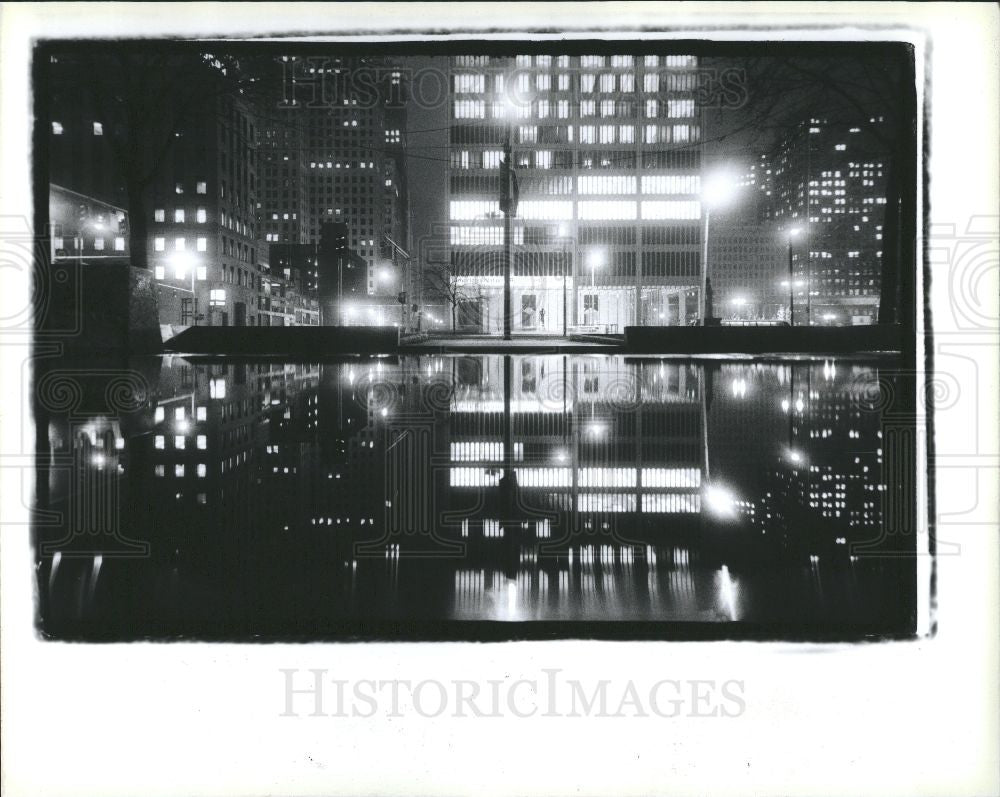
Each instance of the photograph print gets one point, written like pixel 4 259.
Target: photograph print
pixel 477 340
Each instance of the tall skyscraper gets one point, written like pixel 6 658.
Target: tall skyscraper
pixel 829 180
pixel 333 152
pixel 607 152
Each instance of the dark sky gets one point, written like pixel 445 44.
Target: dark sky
pixel 427 145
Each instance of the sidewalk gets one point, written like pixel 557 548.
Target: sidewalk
pixel 518 344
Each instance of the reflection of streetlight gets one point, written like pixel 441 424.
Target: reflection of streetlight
pixel 560 455
pixel 719 501
pixel 717 191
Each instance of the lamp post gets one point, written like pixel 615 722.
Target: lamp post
pixel 595 260
pixel 563 234
pixel 183 261
pixel 717 191
pixel 792 233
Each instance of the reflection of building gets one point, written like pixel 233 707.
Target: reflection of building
pixel 607 155
pixel 828 487
pixel 830 180
pixel 302 499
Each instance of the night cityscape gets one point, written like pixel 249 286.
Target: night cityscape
pixel 569 333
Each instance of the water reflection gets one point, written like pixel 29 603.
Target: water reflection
pixel 393 497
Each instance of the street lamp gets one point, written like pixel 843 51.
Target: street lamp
pixel 563 234
pixel 717 191
pixel 595 260
pixel 183 262
pixel 792 233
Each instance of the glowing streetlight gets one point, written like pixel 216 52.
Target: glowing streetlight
pixel 719 501
pixel 184 262
pixel 595 260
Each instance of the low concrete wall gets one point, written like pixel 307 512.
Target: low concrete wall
pixel 761 340
pixel 101 307
pixel 304 340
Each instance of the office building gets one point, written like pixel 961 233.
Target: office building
pixel 607 155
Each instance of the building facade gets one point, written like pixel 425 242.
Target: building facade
pixel 829 182
pixel 607 153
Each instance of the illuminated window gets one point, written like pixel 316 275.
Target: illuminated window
pixel 159 441
pixel 470 109
pixel 119 244
pixel 562 109
pixel 606 134
pixel 651 82
pixel 607 107
pixel 607 83
pixel 587 81
pixel 626 82
pixel 179 244
pixel 470 84
pixel 99 244
pixel 159 215
pixel 201 216
pixel 159 273
pixel 610 210
pixel 179 471
pixel 626 134
pixel 159 244
pixel 462 210
pixel 179 215
pixel 654 210
pixel 202 470
pixel 202 273
pixel 201 187
pixel 680 108
pixel 98 129
pixel 587 134
pixel 57 129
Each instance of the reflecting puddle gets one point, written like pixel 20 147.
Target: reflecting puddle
pixel 392 498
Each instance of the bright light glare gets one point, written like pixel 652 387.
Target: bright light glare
pixel 596 258
pixel 720 501
pixel 718 189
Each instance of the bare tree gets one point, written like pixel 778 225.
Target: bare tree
pixel 876 93
pixel 145 97
pixel 444 280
